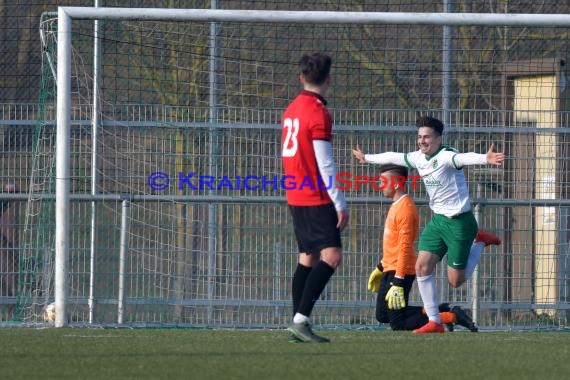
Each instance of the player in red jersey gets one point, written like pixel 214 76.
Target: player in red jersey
pixel 318 208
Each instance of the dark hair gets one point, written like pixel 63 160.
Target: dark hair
pixel 430 122
pixel 396 169
pixel 316 68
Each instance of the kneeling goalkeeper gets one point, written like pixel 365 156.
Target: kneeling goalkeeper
pixel 394 276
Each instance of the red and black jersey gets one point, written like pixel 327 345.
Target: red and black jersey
pixel 306 119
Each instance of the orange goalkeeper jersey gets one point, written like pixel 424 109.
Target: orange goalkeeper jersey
pixel 400 234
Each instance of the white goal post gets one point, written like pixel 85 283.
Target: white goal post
pixel 66 15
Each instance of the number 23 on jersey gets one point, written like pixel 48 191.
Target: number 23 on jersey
pixel 290 142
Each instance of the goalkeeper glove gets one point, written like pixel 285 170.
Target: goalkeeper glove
pixel 374 279
pixel 395 296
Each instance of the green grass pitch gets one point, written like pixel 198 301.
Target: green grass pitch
pixel 74 353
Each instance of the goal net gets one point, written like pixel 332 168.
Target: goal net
pixel 171 233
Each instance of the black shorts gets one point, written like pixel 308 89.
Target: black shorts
pixel 315 227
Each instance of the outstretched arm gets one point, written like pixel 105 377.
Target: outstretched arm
pixel 381 158
pixel 464 159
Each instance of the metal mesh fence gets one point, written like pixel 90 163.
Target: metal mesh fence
pixel 190 263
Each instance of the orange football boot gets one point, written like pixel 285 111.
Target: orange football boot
pixel 430 327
